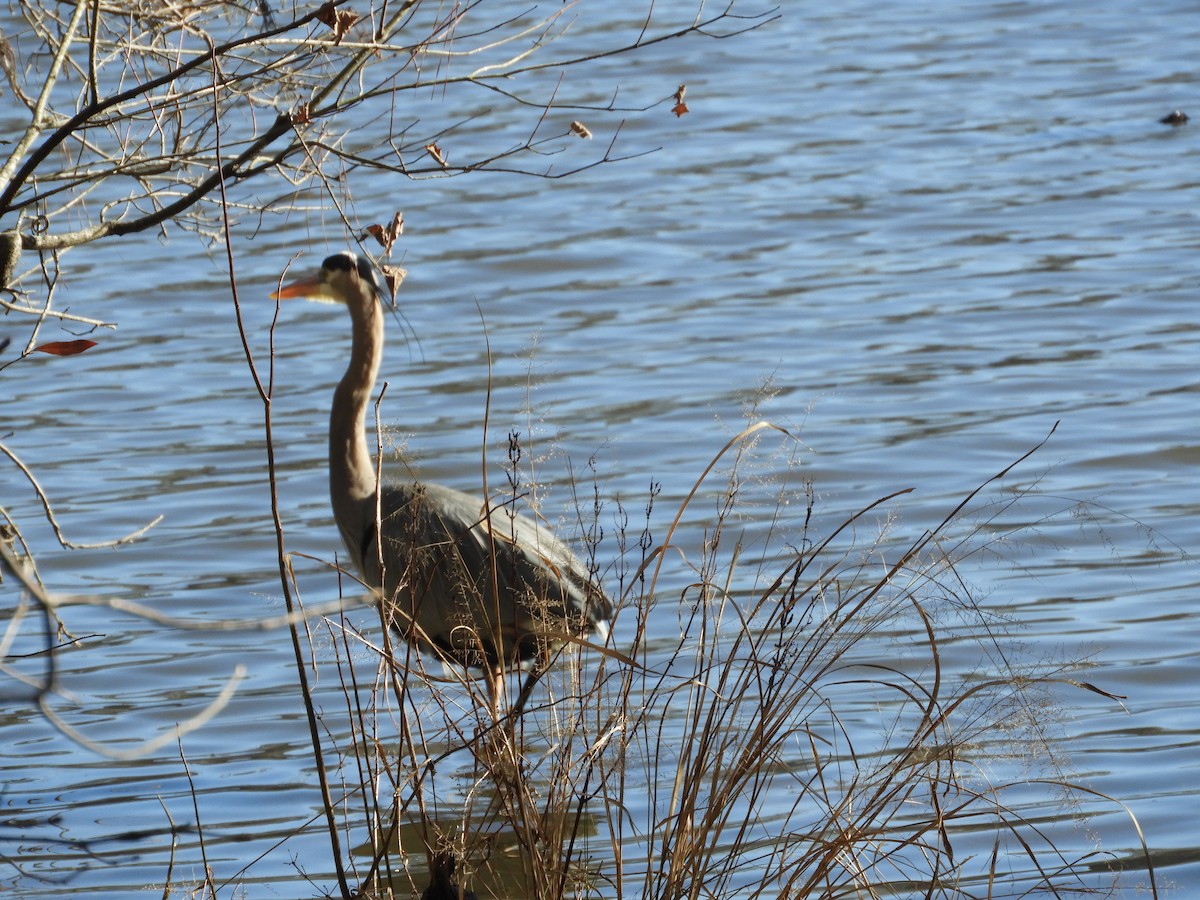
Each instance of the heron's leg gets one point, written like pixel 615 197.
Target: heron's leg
pixel 531 681
pixel 496 690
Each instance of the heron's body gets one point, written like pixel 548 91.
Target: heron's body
pixel 461 577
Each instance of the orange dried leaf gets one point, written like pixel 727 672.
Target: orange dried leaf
pixel 300 115
pixel 65 348
pixel 436 152
pixel 387 234
pixel 680 107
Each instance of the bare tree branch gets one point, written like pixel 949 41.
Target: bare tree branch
pixel 131 157
pixel 53 520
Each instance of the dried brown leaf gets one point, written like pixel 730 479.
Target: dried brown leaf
pixel 65 348
pixel 680 107
pixel 436 152
pixel 340 20
pixel 394 276
pixel 387 234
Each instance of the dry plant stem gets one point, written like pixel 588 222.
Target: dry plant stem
pixel 396 674
pixel 265 392
pixel 1133 820
pixel 497 682
pixel 285 581
pixel 367 759
pixel 174 848
pixel 208 873
pixel 53 520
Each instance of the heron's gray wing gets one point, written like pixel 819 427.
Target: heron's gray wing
pixel 480 585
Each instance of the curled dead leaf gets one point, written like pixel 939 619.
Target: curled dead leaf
pixel 394 276
pixel 580 130
pixel 387 234
pixel 436 152
pixel 340 20
pixel 680 107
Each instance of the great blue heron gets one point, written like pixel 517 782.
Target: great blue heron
pixel 461 577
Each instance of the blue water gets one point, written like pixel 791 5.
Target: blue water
pixel 933 230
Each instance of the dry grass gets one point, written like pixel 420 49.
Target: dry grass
pixel 780 713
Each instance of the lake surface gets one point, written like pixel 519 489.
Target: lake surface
pixel 918 236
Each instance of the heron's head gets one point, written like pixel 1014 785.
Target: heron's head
pixel 343 278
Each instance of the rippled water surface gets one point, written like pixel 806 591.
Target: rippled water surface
pixel 919 234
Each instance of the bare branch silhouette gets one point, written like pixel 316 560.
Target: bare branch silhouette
pixel 224 95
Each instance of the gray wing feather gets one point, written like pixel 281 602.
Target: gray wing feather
pixel 477 588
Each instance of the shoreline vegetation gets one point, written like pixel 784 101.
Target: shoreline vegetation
pixel 808 729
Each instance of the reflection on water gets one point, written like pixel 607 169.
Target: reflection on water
pixel 916 236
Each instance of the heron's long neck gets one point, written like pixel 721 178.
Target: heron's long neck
pixel 351 469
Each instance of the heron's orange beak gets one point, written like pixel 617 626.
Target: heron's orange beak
pixel 312 287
